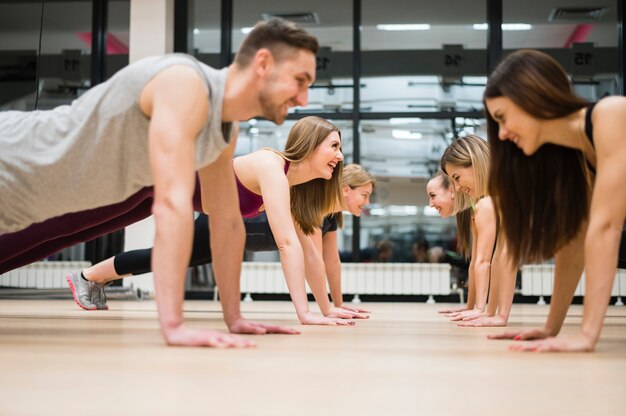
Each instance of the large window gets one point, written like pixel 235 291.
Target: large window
pixel 46 61
pixel 45 47
pixel 581 35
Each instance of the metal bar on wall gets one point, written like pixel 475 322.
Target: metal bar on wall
pixel 99 14
pixel 494 35
pixel 181 27
pixel 621 17
pixel 356 114
pixel 226 44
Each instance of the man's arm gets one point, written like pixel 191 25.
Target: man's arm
pixel 221 202
pixel 177 105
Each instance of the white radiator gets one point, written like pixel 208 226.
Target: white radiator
pixel 538 280
pixel 358 278
pixel 42 274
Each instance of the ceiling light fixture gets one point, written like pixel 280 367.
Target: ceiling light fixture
pixel 505 26
pixel 414 26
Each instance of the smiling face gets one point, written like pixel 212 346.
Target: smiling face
pixel 286 83
pixel 462 178
pixel 440 198
pixel 357 198
pixel 326 156
pixel 514 124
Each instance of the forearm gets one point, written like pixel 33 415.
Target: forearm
pixel 471 288
pixel 227 243
pixel 292 260
pixel 503 278
pixel 494 291
pixel 506 276
pixel 568 267
pixel 601 250
pixel 172 247
pixel 333 273
pixel 315 277
pixel 481 274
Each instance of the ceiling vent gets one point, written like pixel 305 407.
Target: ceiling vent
pixel 305 18
pixel 577 13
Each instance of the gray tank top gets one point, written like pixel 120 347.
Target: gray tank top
pixel 93 152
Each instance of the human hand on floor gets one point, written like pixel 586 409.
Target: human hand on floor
pixel 243 326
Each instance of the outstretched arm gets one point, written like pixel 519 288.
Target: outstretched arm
pixel 568 267
pixel 608 210
pixel 482 248
pixel 227 239
pixel 275 190
pixel 485 221
pixel 332 263
pixel 177 105
pixel 503 276
pixel 316 273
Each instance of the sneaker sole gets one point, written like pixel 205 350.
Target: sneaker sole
pixel 75 294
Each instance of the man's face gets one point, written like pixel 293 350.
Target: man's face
pixel 287 84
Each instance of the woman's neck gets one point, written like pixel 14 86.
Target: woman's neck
pixel 568 131
pixel 300 172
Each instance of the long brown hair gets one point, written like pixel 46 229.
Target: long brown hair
pixel 544 198
pixel 468 151
pixel 312 200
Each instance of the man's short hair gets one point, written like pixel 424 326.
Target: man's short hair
pixel 275 35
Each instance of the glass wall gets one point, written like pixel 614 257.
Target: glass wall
pixel 581 35
pixel 423 76
pixel 205 21
pixel 50 42
pixel 45 62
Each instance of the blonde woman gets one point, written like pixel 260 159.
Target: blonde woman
pixel 320 247
pixel 466 162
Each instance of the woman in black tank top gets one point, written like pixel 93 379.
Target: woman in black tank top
pixel 557 178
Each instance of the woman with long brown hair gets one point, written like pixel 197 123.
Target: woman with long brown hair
pixel 556 178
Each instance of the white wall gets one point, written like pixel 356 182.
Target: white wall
pixel 151 33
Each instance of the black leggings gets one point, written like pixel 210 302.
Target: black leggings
pixel 258 238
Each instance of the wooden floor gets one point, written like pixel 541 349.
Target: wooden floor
pixel 406 360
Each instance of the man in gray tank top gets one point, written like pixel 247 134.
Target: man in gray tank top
pixel 156 123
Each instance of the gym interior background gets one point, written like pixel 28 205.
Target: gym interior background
pixel 401 78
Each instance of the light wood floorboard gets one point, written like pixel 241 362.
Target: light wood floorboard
pixel 406 360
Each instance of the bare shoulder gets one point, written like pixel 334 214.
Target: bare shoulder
pixel 178 86
pixel 485 204
pixel 252 168
pixel 612 102
pixel 266 159
pixel 609 127
pixel 609 113
pixel 484 210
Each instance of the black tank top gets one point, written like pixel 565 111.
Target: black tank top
pixel 589 133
